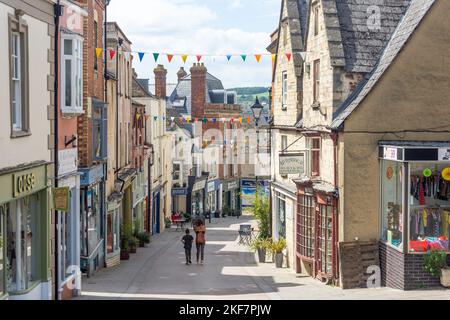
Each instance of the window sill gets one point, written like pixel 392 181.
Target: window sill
pixel 283 108
pixel 20 134
pixel 71 112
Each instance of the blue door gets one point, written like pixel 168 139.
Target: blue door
pixel 156 214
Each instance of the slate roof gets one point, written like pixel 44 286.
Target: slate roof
pixel 170 112
pixel 180 99
pixel 355 42
pixel 411 20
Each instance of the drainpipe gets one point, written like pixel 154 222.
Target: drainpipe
pixel 334 137
pixel 58 11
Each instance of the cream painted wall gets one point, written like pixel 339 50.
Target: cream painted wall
pixel 36 146
pixel 413 94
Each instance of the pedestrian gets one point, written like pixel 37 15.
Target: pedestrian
pixel 187 241
pixel 200 240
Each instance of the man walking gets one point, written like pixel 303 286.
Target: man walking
pixel 200 240
pixel 187 241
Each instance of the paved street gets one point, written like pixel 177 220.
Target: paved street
pixel 230 272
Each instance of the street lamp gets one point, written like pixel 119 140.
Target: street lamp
pixel 257 110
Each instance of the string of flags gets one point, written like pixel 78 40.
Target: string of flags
pixel 241 120
pixel 157 56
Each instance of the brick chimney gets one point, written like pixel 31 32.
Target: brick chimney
pixel 181 74
pixel 160 82
pixel 198 89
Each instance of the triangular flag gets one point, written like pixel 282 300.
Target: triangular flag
pixel 244 57
pixel 172 119
pixel 164 118
pixel 199 57
pixel 141 56
pixel 274 57
pixel 184 57
pixel 232 120
pixel 229 57
pixel 303 55
pixel 112 53
pixel 98 52
pixel 170 57
pixel 240 120
pixel 196 119
pixel 127 55
pixel 249 120
pixel 267 119
pixel 205 120
pixel 258 57
pixel 138 116
pixel 156 56
pixel 288 56
pixel 214 120
pixel 181 119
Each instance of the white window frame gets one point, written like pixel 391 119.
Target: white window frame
pixel 284 78
pixel 17 81
pixel 76 59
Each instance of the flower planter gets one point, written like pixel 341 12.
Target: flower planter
pixel 279 260
pixel 262 255
pixel 445 278
pixel 141 244
pixel 124 255
pixel 133 249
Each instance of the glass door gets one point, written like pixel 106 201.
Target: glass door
pixel 324 241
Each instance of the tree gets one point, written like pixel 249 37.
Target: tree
pixel 261 211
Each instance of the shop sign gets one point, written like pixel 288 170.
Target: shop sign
pixel 444 155
pixel 390 154
pixel 233 185
pixel 211 186
pixel 179 192
pixel 67 161
pixel 292 164
pixel 23 184
pixel 199 185
pixel 61 197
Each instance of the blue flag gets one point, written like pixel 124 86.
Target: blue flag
pixel 141 56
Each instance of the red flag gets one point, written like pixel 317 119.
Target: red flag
pixel 170 57
pixel 112 53
pixel 289 56
pixel 199 57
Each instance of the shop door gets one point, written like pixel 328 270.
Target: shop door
pixel 156 215
pixel 324 241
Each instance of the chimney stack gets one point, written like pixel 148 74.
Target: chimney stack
pixel 198 89
pixel 181 74
pixel 160 82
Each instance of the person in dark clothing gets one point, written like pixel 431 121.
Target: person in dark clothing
pixel 200 240
pixel 187 241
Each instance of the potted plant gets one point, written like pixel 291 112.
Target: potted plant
pixel 435 263
pixel 143 239
pixel 277 248
pixel 133 244
pixel 124 248
pixel 168 222
pixel 260 245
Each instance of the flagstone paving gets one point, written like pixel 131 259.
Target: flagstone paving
pixel 230 273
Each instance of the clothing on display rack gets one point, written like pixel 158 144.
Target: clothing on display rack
pixel 429 229
pixel 432 187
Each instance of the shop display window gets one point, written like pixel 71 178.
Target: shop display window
pixel 325 245
pixel 2 250
pixel 306 225
pixel 392 203
pixel 281 216
pixel 429 214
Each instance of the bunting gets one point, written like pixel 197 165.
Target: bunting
pixel 184 57
pixel 156 56
pixel 98 52
pixel 258 57
pixel 244 57
pixel 169 57
pixel 141 56
pixel 112 54
pixel 288 56
pixel 199 58
pixel 229 57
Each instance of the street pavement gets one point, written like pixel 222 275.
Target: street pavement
pixel 230 272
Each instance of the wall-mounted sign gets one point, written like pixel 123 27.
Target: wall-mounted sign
pixel 211 186
pixel 179 191
pixel 390 154
pixel 444 154
pixel 233 185
pixel 292 164
pixel 61 197
pixel 23 184
pixel 67 161
pixel 199 185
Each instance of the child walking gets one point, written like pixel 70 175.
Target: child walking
pixel 187 241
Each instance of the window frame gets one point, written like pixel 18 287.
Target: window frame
pixel 77 74
pixel 315 166
pixel 316 81
pixel 16 25
pixel 284 90
pixel 306 226
pixel 316 19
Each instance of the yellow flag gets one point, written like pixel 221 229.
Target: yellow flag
pixel 138 116
pixel 98 52
pixel 274 56
pixel 184 57
pixel 240 120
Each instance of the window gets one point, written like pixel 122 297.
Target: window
pixel 316 19
pixel 100 122
pixel 325 238
pixel 315 145
pixel 306 226
pixel 176 171
pixel 281 215
pixel 2 250
pixel 95 45
pixel 72 75
pixel 392 203
pixel 316 81
pixel 284 143
pixel 18 49
pixel 285 89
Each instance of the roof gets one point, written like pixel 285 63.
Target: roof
pixel 139 90
pixel 172 113
pixel 411 20
pixel 180 99
pixel 355 39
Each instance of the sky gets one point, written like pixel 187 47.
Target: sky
pixel 201 27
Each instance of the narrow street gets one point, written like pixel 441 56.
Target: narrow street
pixel 231 272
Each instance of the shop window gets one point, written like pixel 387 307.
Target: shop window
pixel 281 215
pixel 392 203
pixel 2 250
pixel 429 217
pixel 72 75
pixel 110 234
pixel 93 223
pixel 306 226
pixel 325 238
pixel 22 250
pixel 315 145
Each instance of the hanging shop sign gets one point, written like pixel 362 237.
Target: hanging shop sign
pixel 232 185
pixel 199 185
pixel 67 161
pixel 61 199
pixel 292 164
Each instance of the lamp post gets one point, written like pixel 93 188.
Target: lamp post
pixel 257 110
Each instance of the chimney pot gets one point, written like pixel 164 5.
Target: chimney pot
pixel 160 82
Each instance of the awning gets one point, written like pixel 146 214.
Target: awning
pixel 414 151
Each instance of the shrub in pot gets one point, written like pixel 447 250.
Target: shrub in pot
pixel 168 223
pixel 133 244
pixel 261 245
pixel 277 248
pixel 143 239
pixel 435 263
pixel 124 248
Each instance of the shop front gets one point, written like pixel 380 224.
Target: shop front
pixel 139 203
pixel 179 198
pixel 415 210
pixel 231 197
pixel 92 219
pixel 156 211
pixel 25 234
pixel 212 196
pixel 316 230
pixel 198 197
pixel 113 220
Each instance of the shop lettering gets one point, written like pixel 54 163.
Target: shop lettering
pixel 24 183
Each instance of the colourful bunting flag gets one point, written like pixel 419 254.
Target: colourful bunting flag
pixel 112 53
pixel 138 116
pixel 249 120
pixel 98 52
pixel 229 57
pixel 258 57
pixel 127 55
pixel 172 119
pixel 181 119
pixel 141 56
pixel 288 56
pixel 188 120
pixel 156 56
pixel 199 57
pixel 184 57
pixel 267 119
pixel 240 120
pixel 205 120
pixel 244 57
pixel 214 120
pixel 170 57
pixel 274 57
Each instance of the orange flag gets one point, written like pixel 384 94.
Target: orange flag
pixel 98 52
pixel 249 120
pixel 170 57
pixel 258 57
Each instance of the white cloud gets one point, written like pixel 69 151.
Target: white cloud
pixel 235 4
